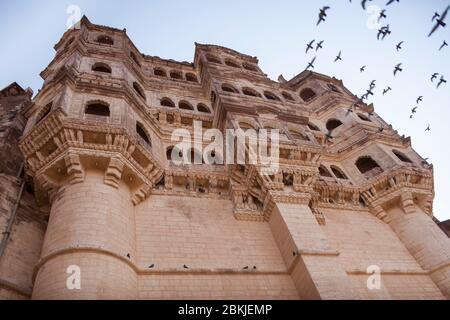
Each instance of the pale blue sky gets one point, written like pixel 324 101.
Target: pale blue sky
pixel 276 32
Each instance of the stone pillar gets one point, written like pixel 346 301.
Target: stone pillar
pixel 428 244
pixel 315 266
pixel 92 226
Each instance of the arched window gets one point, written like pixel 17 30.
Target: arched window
pixel 363 117
pixel 271 96
pixel 366 164
pixel 191 77
pixel 166 102
pixel 338 173
pixel 160 72
pixel 333 124
pixel 169 153
pixel 333 88
pixel 307 94
pixel 69 42
pixel 105 39
pixel 134 58
pixel 170 150
pixel 101 67
pixel 44 112
pixel 250 92
pixel 401 156
pixel 323 171
pixel 176 75
pixel 229 88
pixel 287 96
pixel 185 105
pixel 139 89
pixel 232 63
pixel 97 108
pixel 213 59
pixel 250 67
pixel 313 127
pixel 140 130
pixel 202 108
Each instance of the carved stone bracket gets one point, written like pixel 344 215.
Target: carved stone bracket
pixel 407 202
pixel 75 170
pixel 113 172
pixel 141 194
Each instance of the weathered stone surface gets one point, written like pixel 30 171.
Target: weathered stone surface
pixel 350 194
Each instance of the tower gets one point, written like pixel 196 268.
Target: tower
pixel 350 193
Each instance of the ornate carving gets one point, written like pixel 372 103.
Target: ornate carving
pixel 74 169
pixel 113 172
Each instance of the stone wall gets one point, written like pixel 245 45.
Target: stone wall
pixel 22 246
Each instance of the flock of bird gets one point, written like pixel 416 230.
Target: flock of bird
pixel 187 267
pixel 383 32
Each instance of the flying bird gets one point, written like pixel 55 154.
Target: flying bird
pixel 399 45
pixel 362 69
pixel 338 57
pixel 363 4
pixel 414 110
pixel 369 92
pixel 444 44
pixel 434 76
pixel 372 84
pixel 382 15
pixel 383 31
pixel 309 46
pixel 391 1
pixel 439 21
pixel 397 69
pixel 319 45
pixel 386 90
pixel 419 99
pixel 322 15
pixel 311 64
pixel 428 128
pixel 441 81
pixel 365 96
pixel 411 116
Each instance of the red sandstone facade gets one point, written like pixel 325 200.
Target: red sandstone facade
pixel 97 156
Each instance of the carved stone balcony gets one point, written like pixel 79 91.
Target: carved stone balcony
pixel 60 149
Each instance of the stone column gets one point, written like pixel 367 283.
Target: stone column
pixel 91 226
pixel 428 244
pixel 315 266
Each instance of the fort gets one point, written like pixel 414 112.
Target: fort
pixel 98 189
